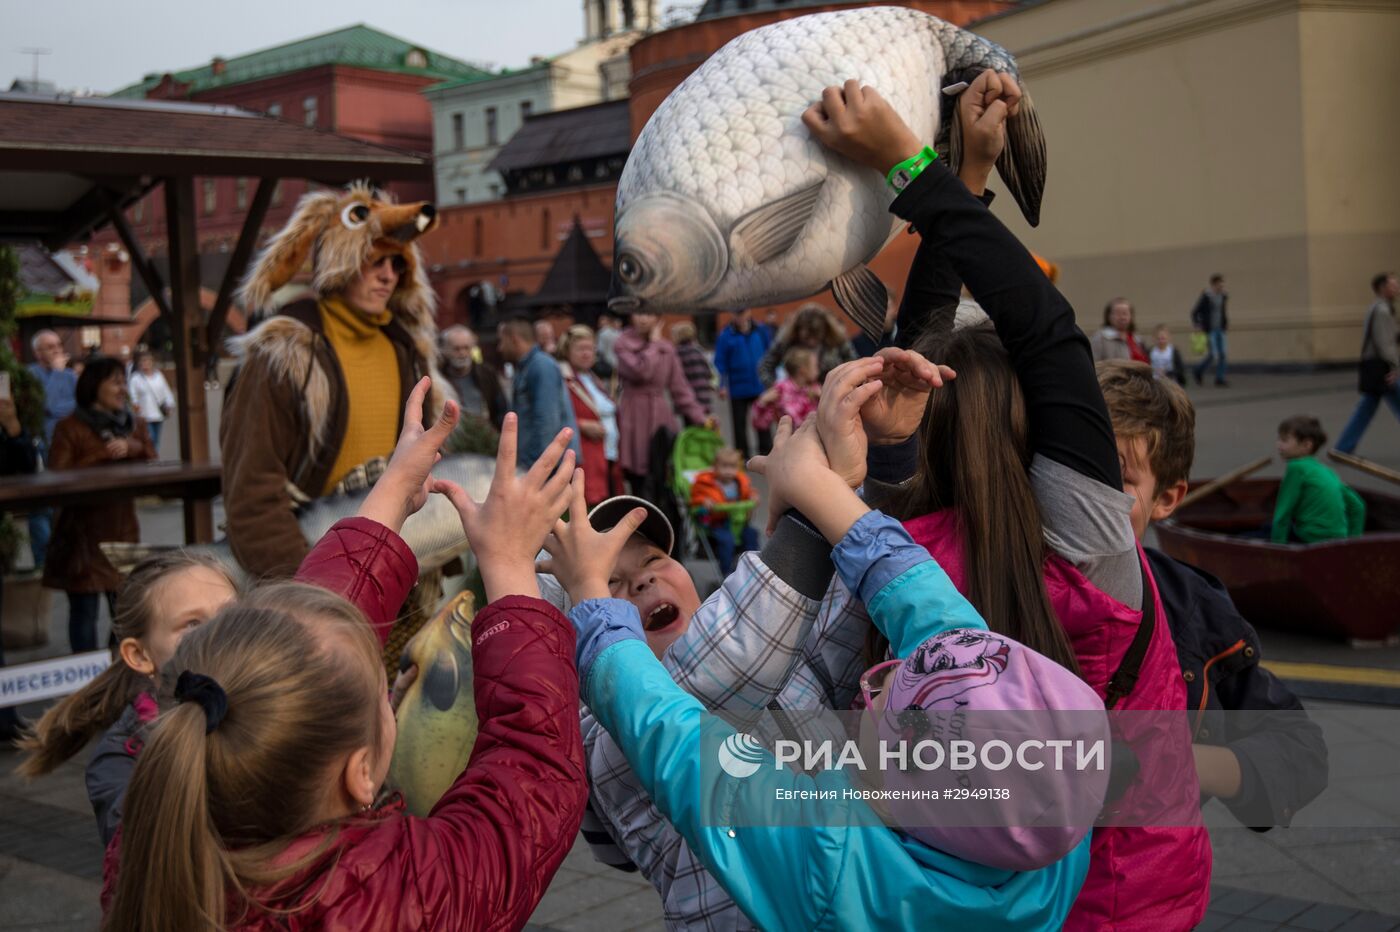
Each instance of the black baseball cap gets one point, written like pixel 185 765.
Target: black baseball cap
pixel 655 528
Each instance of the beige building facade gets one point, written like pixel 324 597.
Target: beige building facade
pixel 474 117
pixel 1255 138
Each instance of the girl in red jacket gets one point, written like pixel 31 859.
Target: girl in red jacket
pixel 252 804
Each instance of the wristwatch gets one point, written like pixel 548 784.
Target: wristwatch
pixel 905 172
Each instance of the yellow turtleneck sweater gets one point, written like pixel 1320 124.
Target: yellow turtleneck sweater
pixel 371 370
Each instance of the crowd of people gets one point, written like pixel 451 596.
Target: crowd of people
pixel 962 501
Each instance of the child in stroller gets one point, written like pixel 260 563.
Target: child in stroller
pixel 721 499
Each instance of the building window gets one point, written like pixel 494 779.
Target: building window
pixel 495 189
pixel 461 195
pixel 544 229
pixel 416 58
pixel 459 132
pixel 211 196
pixel 478 242
pixel 277 192
pixel 309 109
pixel 526 108
pixel 241 193
pixel 491 139
pixel 138 213
pixel 274 109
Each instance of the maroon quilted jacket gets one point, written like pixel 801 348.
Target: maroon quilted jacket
pixel 485 855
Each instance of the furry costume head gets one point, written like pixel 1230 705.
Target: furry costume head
pixel 338 231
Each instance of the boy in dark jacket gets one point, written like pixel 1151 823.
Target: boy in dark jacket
pixel 1264 767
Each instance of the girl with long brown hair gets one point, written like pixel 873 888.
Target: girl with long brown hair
pixel 253 803
pixel 1016 485
pixel 162 599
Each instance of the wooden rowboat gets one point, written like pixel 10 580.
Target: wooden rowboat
pixel 1343 588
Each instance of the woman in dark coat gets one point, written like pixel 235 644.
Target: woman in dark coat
pixel 101 431
pixel 816 328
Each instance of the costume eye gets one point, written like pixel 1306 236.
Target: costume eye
pixel 354 216
pixel 629 270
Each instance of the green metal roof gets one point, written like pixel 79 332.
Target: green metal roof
pixel 357 45
pixel 540 65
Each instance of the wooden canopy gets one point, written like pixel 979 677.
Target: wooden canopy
pixel 69 165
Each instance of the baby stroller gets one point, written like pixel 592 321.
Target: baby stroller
pixel 693 453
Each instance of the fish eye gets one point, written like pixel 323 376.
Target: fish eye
pixel 629 269
pixel 354 216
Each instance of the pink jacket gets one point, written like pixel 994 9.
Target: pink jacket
pixel 649 371
pixel 1147 878
pixel 792 399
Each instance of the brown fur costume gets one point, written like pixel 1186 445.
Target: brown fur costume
pixel 285 412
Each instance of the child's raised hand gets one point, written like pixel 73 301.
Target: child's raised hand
pixel 857 122
pixel 894 413
pixel 800 476
pixel 581 558
pixel 407 480
pixel 507 530
pixel 983 109
pixel 846 390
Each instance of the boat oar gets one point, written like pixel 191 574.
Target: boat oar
pixel 1215 485
pixel 1365 465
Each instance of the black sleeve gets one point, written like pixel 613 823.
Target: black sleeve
pixel 17 454
pixel 1068 419
pixel 799 555
pixel 931 292
pixel 1200 313
pixel 1281 750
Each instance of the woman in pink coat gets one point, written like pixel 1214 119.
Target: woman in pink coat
pixel 647 369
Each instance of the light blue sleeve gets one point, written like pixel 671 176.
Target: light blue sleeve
pixel 819 865
pixel 909 597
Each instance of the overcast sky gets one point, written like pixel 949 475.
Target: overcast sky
pixel 101 45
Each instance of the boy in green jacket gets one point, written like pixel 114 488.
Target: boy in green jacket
pixel 1314 504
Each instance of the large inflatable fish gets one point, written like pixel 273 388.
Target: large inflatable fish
pixel 727 201
pixel 437 717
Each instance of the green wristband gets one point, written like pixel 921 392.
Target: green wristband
pixel 905 172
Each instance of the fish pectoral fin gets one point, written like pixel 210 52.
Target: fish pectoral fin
pixel 863 297
pixel 440 682
pixel 1022 162
pixel 767 233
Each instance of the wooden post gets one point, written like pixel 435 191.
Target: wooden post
pixel 188 331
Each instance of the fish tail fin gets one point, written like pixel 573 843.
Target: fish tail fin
pixel 1022 162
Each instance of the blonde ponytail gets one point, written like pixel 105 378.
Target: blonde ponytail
pixel 208 815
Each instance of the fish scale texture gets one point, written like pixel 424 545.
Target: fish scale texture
pixel 730 138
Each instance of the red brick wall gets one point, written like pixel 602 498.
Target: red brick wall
pixel 518 239
pixel 378 107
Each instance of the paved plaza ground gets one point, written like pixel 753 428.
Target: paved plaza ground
pixel 1346 876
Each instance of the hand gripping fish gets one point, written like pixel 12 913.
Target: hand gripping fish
pixel 727 201
pixel 437 717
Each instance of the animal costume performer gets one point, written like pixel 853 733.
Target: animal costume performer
pixel 316 405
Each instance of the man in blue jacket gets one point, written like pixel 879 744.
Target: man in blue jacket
pixel 537 392
pixel 738 350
